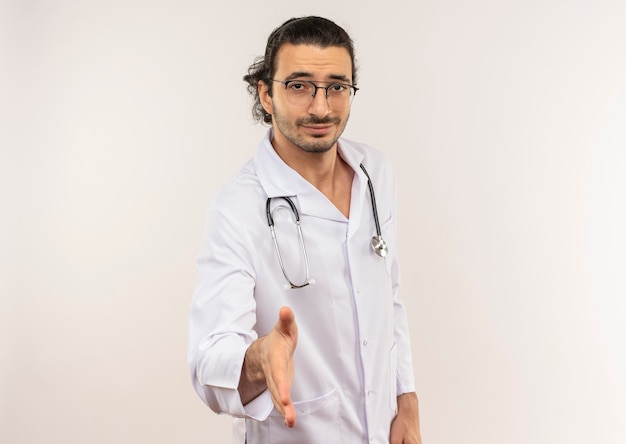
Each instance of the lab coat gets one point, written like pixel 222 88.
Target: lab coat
pixel 353 354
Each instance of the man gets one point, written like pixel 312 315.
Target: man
pixel 299 329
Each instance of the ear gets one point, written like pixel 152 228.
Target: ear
pixel 264 97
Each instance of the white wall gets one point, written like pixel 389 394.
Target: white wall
pixel 505 120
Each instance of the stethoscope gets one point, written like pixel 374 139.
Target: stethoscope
pixel 377 243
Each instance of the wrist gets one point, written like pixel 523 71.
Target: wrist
pixel 252 379
pixel 408 401
pixel 252 369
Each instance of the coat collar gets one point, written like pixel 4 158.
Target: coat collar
pixel 279 179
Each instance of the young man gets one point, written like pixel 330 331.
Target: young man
pixel 296 323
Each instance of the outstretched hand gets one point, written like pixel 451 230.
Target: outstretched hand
pixel 268 364
pixel 277 362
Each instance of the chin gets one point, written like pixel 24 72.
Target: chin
pixel 320 143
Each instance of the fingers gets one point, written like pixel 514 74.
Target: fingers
pixel 279 376
pixel 279 380
pixel 290 415
pixel 283 402
pixel 276 395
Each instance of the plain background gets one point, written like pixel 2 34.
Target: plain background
pixel 506 121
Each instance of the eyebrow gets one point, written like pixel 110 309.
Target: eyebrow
pixel 300 74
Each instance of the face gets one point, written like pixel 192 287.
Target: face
pixel 313 127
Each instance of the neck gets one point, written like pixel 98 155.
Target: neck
pixel 326 171
pixel 316 167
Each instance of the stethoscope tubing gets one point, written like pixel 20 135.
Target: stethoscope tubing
pixel 378 244
pixel 373 196
pixel 270 222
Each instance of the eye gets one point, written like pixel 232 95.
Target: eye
pixel 337 88
pixel 297 86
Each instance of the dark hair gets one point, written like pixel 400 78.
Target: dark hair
pixel 296 31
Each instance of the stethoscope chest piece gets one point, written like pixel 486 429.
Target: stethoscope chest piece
pixel 379 246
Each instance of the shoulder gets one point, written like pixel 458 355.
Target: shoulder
pixel 240 197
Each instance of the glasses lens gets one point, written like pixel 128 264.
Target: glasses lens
pixel 340 95
pixel 301 93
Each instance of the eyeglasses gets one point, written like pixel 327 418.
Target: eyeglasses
pixel 302 92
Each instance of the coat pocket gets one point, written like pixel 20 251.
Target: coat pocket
pixel 317 420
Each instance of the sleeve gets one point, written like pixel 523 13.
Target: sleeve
pixel 405 381
pixel 222 317
pixel 405 376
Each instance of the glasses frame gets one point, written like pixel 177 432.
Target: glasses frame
pixel 316 87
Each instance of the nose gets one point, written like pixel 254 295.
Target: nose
pixel 319 105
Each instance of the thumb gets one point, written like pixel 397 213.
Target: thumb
pixel 287 322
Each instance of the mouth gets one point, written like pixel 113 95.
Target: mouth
pixel 318 130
